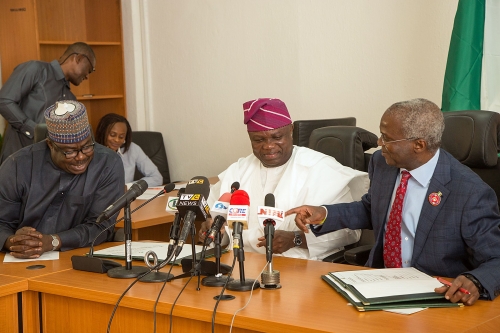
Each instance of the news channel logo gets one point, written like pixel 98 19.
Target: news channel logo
pixel 172 203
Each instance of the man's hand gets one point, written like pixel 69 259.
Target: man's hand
pixel 453 293
pixel 205 227
pixel 307 215
pixel 282 241
pixel 27 243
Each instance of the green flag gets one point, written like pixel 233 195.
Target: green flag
pixel 462 79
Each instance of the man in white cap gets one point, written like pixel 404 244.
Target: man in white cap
pixel 295 175
pixel 52 192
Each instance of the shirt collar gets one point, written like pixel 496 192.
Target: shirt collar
pixel 423 173
pixel 59 74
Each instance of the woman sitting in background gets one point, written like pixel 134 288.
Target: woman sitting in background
pixel 114 132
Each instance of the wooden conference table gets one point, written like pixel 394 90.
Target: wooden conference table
pixel 76 301
pixel 152 222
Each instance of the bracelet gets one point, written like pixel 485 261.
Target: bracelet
pixel 476 282
pixel 321 223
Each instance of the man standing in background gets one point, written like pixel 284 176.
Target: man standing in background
pixel 36 85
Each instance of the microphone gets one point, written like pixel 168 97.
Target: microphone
pixel 192 205
pixel 271 277
pixel 137 189
pixel 237 217
pixel 176 225
pixel 235 186
pixel 92 264
pixel 269 224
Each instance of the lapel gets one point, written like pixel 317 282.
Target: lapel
pixel 439 180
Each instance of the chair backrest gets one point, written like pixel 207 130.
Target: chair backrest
pixel 302 128
pixel 473 138
pixel 152 144
pixel 40 132
pixel 347 144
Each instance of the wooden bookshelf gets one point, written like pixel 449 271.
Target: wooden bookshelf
pixel 43 29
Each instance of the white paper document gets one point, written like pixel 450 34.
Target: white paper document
pixel 51 255
pixel 389 281
pixel 139 249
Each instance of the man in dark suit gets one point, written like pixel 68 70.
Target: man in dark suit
pixel 427 210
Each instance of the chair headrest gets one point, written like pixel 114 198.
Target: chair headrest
pixel 302 129
pixel 472 137
pixel 347 144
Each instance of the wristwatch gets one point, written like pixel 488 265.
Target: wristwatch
pixel 297 240
pixel 55 242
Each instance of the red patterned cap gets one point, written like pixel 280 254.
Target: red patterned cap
pixel 265 114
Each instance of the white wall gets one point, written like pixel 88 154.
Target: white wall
pixel 200 60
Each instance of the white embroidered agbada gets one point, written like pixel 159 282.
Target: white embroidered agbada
pixel 309 178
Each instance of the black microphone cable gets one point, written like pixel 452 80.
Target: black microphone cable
pixel 222 293
pixel 133 283
pixel 161 291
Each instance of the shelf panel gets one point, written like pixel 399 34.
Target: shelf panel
pixel 62 42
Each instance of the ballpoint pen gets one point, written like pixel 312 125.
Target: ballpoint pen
pixel 448 284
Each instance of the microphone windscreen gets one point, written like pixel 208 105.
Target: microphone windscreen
pixel 235 186
pixel 240 197
pixel 226 197
pixel 169 187
pixel 139 187
pixel 269 200
pixel 198 185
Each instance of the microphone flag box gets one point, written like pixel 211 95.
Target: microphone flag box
pixel 172 204
pixel 193 202
pixel 219 208
pixel 238 213
pixel 266 212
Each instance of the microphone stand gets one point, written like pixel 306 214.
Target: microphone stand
pixel 195 266
pixel 155 275
pixel 128 271
pixel 217 280
pixel 270 278
pixel 241 284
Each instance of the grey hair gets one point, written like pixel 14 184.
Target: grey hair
pixel 420 118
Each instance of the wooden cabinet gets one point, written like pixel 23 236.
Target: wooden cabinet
pixel 43 29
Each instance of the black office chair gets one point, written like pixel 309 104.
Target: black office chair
pixel 473 138
pixel 153 146
pixel 302 129
pixel 348 145
pixel 40 132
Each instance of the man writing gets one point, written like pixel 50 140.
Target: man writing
pixel 52 192
pixel 427 210
pixel 295 175
pixel 36 85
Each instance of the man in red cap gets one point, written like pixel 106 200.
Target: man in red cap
pixel 295 175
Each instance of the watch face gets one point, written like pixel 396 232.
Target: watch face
pixel 297 240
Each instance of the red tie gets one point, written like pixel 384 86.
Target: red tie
pixel 392 244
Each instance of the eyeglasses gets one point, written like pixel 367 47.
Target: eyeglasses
pixel 86 150
pixel 90 63
pixel 393 141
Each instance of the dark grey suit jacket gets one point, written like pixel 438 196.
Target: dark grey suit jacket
pixel 460 235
